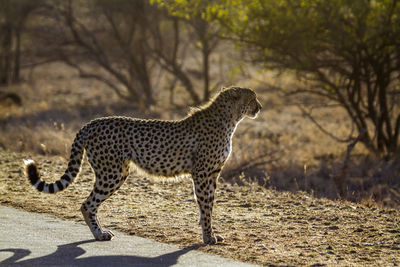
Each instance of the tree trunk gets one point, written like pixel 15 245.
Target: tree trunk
pixel 17 57
pixel 206 69
pixel 6 55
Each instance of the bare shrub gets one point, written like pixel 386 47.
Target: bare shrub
pixel 41 139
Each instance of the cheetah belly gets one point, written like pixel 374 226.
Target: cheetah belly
pixel 167 158
pixel 168 166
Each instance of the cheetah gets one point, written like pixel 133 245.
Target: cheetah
pixel 198 145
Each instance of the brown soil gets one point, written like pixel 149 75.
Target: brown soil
pixel 259 225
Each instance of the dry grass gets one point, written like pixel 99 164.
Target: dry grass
pixel 259 225
pixel 281 150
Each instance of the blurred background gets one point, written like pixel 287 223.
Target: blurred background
pixel 326 72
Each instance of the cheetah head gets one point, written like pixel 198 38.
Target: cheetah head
pixel 246 100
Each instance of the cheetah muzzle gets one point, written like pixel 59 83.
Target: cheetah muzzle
pixel 198 144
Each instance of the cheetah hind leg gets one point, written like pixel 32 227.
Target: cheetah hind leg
pixel 90 206
pixel 93 222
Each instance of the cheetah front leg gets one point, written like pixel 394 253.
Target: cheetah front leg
pixel 204 188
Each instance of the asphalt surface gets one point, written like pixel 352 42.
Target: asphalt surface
pixel 31 239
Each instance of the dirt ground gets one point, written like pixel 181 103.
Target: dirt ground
pixel 260 226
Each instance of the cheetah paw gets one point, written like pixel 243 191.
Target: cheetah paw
pixel 211 240
pixel 219 238
pixel 106 236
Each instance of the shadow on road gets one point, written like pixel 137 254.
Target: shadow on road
pixel 67 255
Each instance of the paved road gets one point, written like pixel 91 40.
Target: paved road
pixel 30 239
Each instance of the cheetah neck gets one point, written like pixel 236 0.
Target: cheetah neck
pixel 222 116
pixel 220 112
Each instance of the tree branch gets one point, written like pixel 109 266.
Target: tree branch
pixel 322 129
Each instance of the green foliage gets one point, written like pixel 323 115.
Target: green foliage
pixel 182 8
pixel 314 26
pixel 349 50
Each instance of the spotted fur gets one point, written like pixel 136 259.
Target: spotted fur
pixel 198 145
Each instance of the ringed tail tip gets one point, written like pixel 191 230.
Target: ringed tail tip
pixel 31 171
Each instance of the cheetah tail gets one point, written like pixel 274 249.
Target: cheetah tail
pixel 32 173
